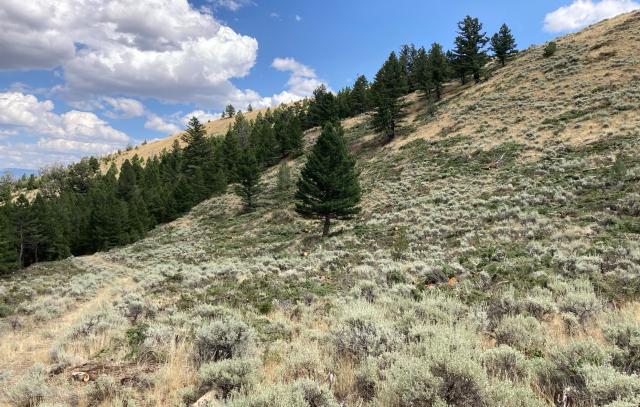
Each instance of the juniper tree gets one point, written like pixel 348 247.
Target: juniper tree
pixel 503 44
pixel 470 44
pixel 248 176
pixel 328 187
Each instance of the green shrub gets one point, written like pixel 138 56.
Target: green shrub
pixel 604 384
pixel 410 383
pixel 31 389
pixel 463 381
pixel 582 302
pixel 274 395
pixel 550 49
pixel 367 377
pixel 626 337
pixel 520 332
pixel 505 363
pixel 358 337
pixel 223 339
pixel 507 394
pixel 6 310
pixel 227 375
pixel 314 394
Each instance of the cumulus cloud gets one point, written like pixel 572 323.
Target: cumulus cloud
pixel 124 108
pixel 582 13
pixel 157 123
pixel 156 48
pixel 302 82
pixel 23 116
pixel 201 115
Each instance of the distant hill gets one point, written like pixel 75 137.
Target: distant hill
pixel 18 172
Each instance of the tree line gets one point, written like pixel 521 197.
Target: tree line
pixel 82 209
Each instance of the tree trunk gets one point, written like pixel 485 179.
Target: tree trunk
pixel 327 224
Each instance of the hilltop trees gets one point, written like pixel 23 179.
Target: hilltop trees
pixel 390 83
pixel 437 69
pixel 469 51
pixel 503 44
pixel 328 187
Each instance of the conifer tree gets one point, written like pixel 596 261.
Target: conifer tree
pixel 231 154
pixel 328 187
pixel 197 152
pixel 248 175
pixel 470 44
pixel 503 44
pixel 323 107
pixel 284 178
pixel 438 69
pixel 359 95
pixel 230 111
pixel 8 255
pixel 389 85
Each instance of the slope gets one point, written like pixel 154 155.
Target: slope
pixel 496 262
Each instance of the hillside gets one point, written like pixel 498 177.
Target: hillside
pixel 155 148
pixel 496 262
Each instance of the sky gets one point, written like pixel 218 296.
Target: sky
pixel 88 77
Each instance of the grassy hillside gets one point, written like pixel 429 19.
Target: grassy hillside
pixel 496 262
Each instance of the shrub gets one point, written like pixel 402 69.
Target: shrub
pixel 505 363
pixel 506 394
pixel 227 375
pixel 366 290
pixel 301 361
pixel 275 395
pixel 223 339
pixel 604 384
pixel 31 389
pixel 520 332
pixel 357 338
pixel 550 49
pixel 314 394
pixel 96 323
pixel 581 301
pixel 410 383
pixel 463 382
pixel 626 337
pixel 367 379
pixel 104 388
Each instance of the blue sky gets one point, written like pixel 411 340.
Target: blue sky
pixel 81 77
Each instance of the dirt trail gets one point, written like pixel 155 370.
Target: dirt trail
pixel 22 348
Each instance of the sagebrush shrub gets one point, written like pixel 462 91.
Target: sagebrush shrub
pixel 507 394
pixel 520 332
pixel 228 375
pixel 626 337
pixel 358 337
pixel 104 388
pixel 604 384
pixel 506 363
pixel 223 339
pixel 410 383
pixel 314 394
pixel 270 395
pixel 31 389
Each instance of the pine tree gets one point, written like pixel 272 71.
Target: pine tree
pixel 389 85
pixel 242 129
pixel 8 254
pixel 248 175
pixel 437 68
pixel 197 152
pixel 359 95
pixel 323 107
pixel 230 111
pixel 231 154
pixel 470 44
pixel 406 59
pixel 328 187
pixel 503 44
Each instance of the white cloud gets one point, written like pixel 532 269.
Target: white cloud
pixel 274 15
pixel 157 123
pixel 233 5
pixel 124 108
pixel 298 18
pixel 201 115
pixel 302 82
pixel 164 49
pixel 61 137
pixel 582 13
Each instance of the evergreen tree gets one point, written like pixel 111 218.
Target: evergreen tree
pixel 248 175
pixel 503 44
pixel 406 59
pixel 470 44
pixel 389 85
pixel 231 154
pixel 8 255
pixel 230 111
pixel 323 107
pixel 242 129
pixel 328 187
pixel 438 69
pixel 197 152
pixel 359 95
